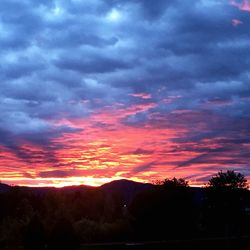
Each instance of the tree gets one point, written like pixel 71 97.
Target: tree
pixel 174 182
pixel 229 179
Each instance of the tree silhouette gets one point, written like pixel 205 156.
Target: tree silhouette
pixel 174 182
pixel 229 179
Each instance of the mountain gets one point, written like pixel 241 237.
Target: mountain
pixel 4 187
pixel 128 189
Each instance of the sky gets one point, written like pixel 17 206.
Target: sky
pixel 100 90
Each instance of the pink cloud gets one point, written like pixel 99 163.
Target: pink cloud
pixel 242 5
pixel 236 22
pixel 141 95
pixel 105 149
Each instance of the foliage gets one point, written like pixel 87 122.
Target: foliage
pixel 229 179
pixel 172 183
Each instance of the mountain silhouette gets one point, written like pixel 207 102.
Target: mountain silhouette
pixel 4 187
pixel 127 188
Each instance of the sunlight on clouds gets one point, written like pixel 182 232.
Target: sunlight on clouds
pixel 57 11
pixel 114 15
pixel 52 13
pixel 108 149
pixel 242 5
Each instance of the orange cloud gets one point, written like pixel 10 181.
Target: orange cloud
pixel 106 148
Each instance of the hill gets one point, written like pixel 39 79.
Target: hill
pixel 4 187
pixel 127 188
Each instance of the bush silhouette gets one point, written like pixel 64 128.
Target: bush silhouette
pixel 174 182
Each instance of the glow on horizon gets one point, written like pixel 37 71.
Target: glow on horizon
pixel 62 182
pixel 76 181
pixel 107 149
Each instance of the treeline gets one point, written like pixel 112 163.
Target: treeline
pixel 170 209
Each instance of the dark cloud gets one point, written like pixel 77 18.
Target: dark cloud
pixel 55 174
pixel 143 168
pixel 141 151
pixel 86 64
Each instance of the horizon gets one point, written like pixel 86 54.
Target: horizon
pixel 60 185
pixel 95 91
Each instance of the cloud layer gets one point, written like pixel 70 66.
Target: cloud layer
pixel 98 90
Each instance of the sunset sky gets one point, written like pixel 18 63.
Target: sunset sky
pixel 98 90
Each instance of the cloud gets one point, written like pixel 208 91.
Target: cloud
pixel 242 5
pixel 143 168
pixel 236 22
pixel 172 76
pixel 55 173
pixel 143 151
pixel 88 65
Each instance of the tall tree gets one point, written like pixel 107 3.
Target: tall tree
pixel 229 179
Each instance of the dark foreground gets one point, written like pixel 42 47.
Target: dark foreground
pixel 158 216
pixel 201 244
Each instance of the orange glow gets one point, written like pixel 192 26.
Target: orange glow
pixel 107 148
